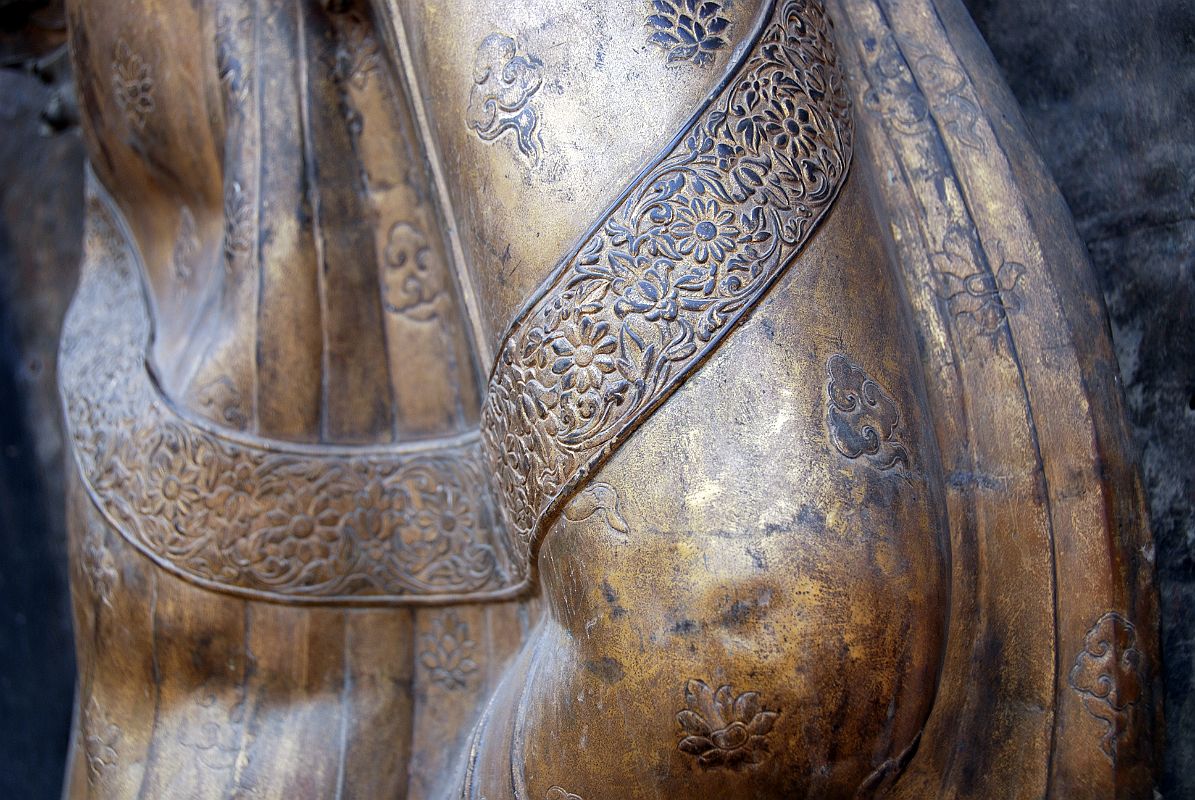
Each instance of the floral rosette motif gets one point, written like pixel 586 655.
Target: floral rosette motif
pixel 685 253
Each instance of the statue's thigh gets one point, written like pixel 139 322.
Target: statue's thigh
pixel 750 593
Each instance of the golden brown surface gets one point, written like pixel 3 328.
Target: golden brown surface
pixel 801 445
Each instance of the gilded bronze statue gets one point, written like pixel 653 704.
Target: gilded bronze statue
pixel 563 401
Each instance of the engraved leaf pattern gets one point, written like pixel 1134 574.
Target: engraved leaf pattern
pixel 446 652
pixel 686 253
pixel 132 85
pixel 186 245
pixel 214 734
pixel 239 221
pixel 100 740
pixel 97 564
pixel 895 96
pixel 233 73
pixel 979 301
pixel 356 55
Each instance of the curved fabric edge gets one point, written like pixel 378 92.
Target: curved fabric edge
pixel 1051 547
pixel 261 520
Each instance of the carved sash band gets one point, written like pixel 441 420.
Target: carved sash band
pixel 262 519
pixel 686 252
pixel 683 255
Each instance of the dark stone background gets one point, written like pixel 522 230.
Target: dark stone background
pixel 41 207
pixel 1107 88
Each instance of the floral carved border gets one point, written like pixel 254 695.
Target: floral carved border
pixel 262 519
pixel 683 256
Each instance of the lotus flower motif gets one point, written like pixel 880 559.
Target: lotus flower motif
pixel 722 729
pixel 689 30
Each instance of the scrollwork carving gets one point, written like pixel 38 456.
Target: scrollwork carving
pixel 680 258
pixel 505 79
pixel 862 417
pixel 412 280
pixel 560 793
pixel 1107 677
pixel 597 498
pixel 222 401
pixel 951 101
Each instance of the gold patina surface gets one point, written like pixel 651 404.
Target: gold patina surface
pixel 560 401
